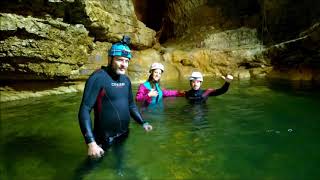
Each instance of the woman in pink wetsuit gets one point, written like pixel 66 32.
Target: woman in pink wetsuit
pixel 150 91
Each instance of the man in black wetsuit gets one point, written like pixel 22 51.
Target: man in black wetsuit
pixel 108 91
pixel 197 95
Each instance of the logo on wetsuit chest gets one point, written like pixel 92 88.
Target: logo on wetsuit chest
pixel 120 85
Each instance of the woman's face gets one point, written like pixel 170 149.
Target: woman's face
pixel 156 74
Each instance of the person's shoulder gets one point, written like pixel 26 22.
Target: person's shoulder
pixel 188 91
pixel 142 86
pixel 97 74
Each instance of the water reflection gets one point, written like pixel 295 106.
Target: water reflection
pixel 34 152
pixel 294 87
pixel 152 107
pixel 254 126
pixel 176 109
pixel 198 114
pixel 117 163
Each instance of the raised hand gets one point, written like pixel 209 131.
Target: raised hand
pixel 228 79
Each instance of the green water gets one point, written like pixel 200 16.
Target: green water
pixel 257 130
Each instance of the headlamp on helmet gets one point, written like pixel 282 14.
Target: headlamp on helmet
pixel 121 48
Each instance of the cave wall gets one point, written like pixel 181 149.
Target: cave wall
pixel 150 13
pixel 64 39
pixel 276 20
pixel 287 31
pixel 67 39
pixel 283 20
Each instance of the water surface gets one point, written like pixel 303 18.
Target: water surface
pixel 257 130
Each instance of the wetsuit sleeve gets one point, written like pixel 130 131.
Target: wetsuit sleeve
pixel 134 112
pixel 171 93
pixel 142 94
pixel 90 93
pixel 217 92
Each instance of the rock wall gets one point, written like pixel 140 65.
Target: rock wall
pixel 284 20
pixel 110 20
pixel 297 59
pixel 33 48
pixel 216 24
pixel 68 39
pixel 64 39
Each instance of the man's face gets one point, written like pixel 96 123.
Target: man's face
pixel 120 64
pixel 195 84
pixel 156 74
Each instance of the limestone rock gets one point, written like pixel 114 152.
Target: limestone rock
pixel 33 48
pixel 140 65
pixel 110 20
pixel 297 59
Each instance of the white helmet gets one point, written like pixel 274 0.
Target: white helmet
pixel 156 66
pixel 196 76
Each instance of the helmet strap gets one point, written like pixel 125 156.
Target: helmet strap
pixel 110 59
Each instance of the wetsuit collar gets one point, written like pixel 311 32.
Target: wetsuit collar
pixel 195 91
pixel 111 72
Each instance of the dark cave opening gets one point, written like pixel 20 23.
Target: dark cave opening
pixel 151 13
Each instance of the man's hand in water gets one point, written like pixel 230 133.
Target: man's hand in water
pixel 228 79
pixel 95 151
pixel 147 127
pixel 153 93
